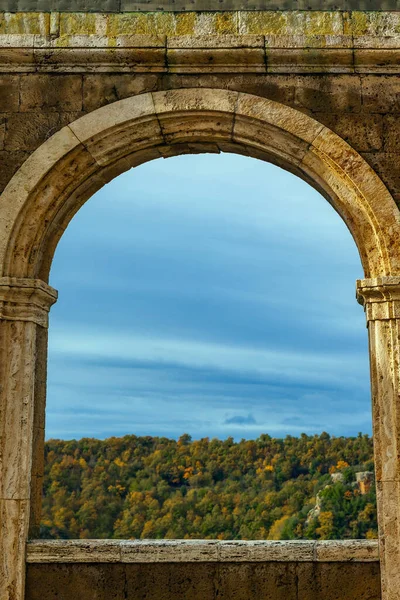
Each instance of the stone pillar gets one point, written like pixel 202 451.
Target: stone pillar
pixel 24 307
pixel 381 300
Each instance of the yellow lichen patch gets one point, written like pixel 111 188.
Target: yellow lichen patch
pixel 301 23
pixel 264 23
pixel 77 24
pixel 358 23
pixel 161 23
pixel 315 23
pixel 372 23
pixel 291 23
pixel 226 22
pixel 185 23
pixel 25 23
pixel 62 41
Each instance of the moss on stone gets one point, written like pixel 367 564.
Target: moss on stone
pixel 77 24
pixel 185 23
pixel 305 23
pixel 226 22
pixel 24 23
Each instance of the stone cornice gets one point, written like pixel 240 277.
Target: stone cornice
pixel 380 298
pixel 156 551
pixel 245 53
pixel 201 42
pixel 26 300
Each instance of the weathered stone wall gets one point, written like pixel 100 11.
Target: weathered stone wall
pixel 341 67
pixel 364 110
pixel 202 570
pixel 204 581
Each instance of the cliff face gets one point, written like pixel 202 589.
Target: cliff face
pixel 365 480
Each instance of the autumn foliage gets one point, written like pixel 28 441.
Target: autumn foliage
pixel 149 487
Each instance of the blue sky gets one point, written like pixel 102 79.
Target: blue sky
pixel 207 294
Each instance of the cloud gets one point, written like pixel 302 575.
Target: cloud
pixel 240 420
pixel 201 287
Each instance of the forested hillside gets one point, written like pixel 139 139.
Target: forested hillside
pixel 147 487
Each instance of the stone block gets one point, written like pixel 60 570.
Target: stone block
pixel 309 60
pixel 253 581
pixel 376 60
pixel 191 582
pixel 73 551
pixel 166 581
pixel 391 133
pixel 215 41
pixel 107 135
pixel 216 60
pixel 267 112
pixel 261 551
pixel 386 165
pixel 291 22
pixel 51 93
pixel 2 131
pixel 14 515
pixel 215 123
pixel 380 93
pixel 81 60
pixel 10 163
pixel 83 582
pixel 352 550
pixel 101 89
pixel 323 93
pixel 336 581
pixel 9 93
pixel 363 132
pixel 26 131
pixel 170 551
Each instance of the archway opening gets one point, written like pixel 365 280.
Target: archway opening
pixel 219 303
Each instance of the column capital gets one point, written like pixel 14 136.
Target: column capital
pixel 23 299
pixel 380 297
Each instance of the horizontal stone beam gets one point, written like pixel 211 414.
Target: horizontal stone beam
pixel 192 5
pixel 200 54
pixel 155 551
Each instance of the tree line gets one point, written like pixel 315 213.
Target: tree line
pixel 154 487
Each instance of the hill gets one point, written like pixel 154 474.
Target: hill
pixel 152 487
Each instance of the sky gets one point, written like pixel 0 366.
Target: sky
pixel 207 294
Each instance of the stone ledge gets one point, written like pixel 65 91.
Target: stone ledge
pixel 156 551
pixel 138 54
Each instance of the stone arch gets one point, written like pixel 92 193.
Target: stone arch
pixel 67 169
pixel 49 188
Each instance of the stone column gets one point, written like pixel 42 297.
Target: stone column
pixel 24 307
pixel 381 300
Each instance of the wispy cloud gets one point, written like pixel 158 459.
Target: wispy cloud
pixel 240 420
pixel 212 294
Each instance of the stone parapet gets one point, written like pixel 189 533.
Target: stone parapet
pixel 284 580
pixel 154 551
